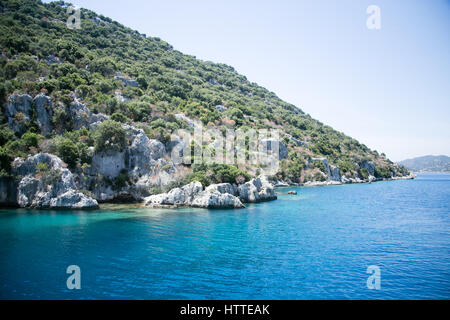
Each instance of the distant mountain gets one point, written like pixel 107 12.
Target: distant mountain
pixel 428 164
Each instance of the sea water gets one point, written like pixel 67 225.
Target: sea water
pixel 317 244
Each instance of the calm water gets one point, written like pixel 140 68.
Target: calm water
pixel 316 245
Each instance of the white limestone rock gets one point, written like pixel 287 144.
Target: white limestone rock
pixel 53 188
pixel 257 190
pixel 44 113
pixel 73 200
pixel 369 166
pixel 223 188
pixel 335 174
pixel 18 112
pixel 108 163
pixel 216 200
pixel 272 144
pixel 192 195
pixel 82 117
pixel 176 197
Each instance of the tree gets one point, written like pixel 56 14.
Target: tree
pixel 68 152
pixel 6 134
pixel 237 115
pixel 5 162
pixel 109 136
pixel 104 66
pixel 31 139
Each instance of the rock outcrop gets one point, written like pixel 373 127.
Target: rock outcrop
pixel 223 188
pixel 272 144
pixel 223 195
pixel 190 123
pixel 82 117
pixel 44 113
pixel 369 166
pixel 8 191
pixel 216 200
pixel 46 183
pixel 18 111
pixel 257 190
pixel 335 174
pixel 143 161
pixel 332 172
pixel 299 143
pixel 176 197
pixel 126 81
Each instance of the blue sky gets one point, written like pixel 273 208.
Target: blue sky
pixel 388 88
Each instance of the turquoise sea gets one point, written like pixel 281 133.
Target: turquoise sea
pixel 315 245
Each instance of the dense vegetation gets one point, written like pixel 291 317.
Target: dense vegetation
pixel 40 54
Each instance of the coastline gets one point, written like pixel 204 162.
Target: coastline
pixel 276 185
pixel 284 184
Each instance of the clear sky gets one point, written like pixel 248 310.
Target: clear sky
pixel 388 88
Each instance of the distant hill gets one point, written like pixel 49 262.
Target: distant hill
pixel 428 164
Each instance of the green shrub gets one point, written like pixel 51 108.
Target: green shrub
pixel 6 134
pixel 364 174
pixel 218 173
pixel 109 136
pixel 5 161
pixel 51 177
pixel 68 152
pixel 31 139
pixel 119 117
pixel 121 180
pixel 16 148
pixel 42 167
pixel 383 172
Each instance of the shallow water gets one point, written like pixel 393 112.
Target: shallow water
pixel 315 245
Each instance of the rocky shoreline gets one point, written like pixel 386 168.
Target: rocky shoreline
pixel 223 195
pixel 33 191
pixel 282 184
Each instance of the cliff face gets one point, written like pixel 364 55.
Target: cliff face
pixel 107 102
pixel 8 192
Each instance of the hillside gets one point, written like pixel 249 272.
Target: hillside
pixel 427 164
pixel 90 96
